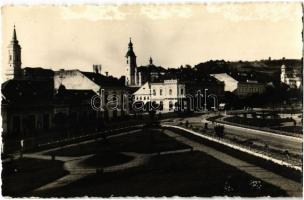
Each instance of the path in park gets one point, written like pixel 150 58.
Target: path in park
pixel 292 188
pixel 77 170
pixel 71 164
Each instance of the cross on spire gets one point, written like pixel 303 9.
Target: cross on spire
pixel 130 43
pixel 150 61
pixel 14 34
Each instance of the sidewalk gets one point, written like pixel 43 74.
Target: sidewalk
pixel 294 189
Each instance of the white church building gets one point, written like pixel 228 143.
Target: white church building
pixel 291 76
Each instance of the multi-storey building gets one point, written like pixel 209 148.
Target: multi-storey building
pixel 249 88
pixel 166 94
pixel 108 88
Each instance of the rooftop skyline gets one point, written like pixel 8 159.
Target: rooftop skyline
pixel 77 37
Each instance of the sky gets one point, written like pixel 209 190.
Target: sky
pixel 76 37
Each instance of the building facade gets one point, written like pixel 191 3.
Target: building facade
pixel 26 108
pixel 166 94
pixel 249 88
pixel 112 92
pixel 291 76
pixel 204 94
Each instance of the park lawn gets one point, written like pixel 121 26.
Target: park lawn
pixel 146 141
pixel 106 159
pixel 291 129
pixel 256 121
pixel 21 176
pixel 184 174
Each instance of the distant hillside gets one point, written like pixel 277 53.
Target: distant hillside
pixel 150 68
pixel 262 71
pixel 266 66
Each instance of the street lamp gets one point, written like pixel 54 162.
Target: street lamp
pixel 102 107
pixel 214 101
pixel 205 95
pixel 198 96
pixel 150 99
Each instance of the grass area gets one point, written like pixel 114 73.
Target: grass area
pixel 57 138
pixel 23 175
pixel 146 141
pixel 256 121
pixel 106 159
pixel 291 129
pixel 214 117
pixel 65 140
pixel 185 174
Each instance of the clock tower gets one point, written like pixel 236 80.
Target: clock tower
pixel 131 76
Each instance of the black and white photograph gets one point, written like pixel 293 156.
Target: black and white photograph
pixel 152 100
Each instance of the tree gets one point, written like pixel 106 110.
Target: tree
pixel 219 131
pixel 206 125
pixel 187 123
pixel 232 100
pixel 245 115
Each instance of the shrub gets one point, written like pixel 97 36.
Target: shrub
pixel 187 123
pixel 219 131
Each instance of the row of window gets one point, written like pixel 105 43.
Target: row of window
pixel 142 98
pixel 250 89
pixel 161 92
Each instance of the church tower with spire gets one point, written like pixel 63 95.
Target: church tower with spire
pixel 14 50
pixel 131 76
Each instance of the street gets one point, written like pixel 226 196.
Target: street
pixel 276 141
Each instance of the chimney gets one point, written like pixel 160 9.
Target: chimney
pixel 107 74
pixel 97 69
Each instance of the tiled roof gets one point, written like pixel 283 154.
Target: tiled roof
pixel 26 91
pixel 104 81
pixel 73 96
